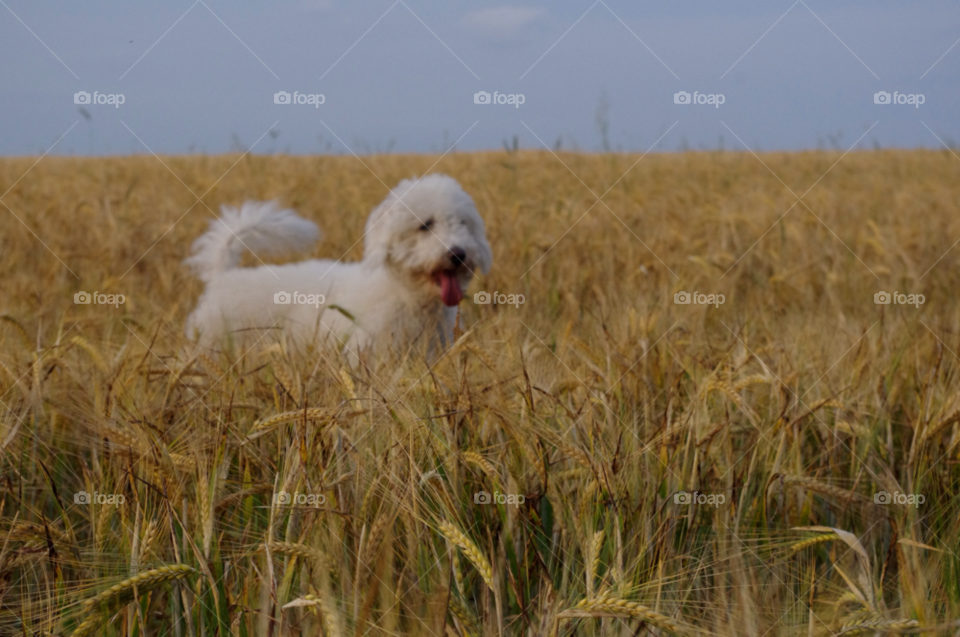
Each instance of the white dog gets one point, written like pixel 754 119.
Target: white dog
pixel 421 248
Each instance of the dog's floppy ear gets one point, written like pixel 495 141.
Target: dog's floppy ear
pixel 376 229
pixel 374 244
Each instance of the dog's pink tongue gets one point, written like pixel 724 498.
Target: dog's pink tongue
pixel 450 290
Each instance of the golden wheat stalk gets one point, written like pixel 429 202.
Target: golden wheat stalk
pixel 724 388
pixel 756 379
pixel 570 474
pixel 933 430
pixel 143 581
pixel 465 616
pixel 848 598
pixel 574 453
pixel 810 484
pixel 121 438
pixel 595 546
pixel 6 319
pixel 149 537
pixel 182 462
pixel 612 606
pixel 295 550
pixel 306 600
pixel 369 497
pixel 268 425
pixel 877 625
pixel 87 626
pixel 375 538
pixel 812 541
pixel 348 387
pixel 85 345
pixel 471 550
pixel 328 605
pixel 479 461
pixel 457 571
pixel 286 381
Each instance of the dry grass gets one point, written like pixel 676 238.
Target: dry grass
pixel 598 399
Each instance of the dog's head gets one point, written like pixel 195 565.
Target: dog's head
pixel 429 232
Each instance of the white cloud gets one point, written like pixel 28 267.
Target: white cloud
pixel 504 23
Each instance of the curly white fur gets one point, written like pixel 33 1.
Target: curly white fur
pixel 422 245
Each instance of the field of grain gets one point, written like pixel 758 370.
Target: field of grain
pixel 781 413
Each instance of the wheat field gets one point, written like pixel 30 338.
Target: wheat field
pixel 684 469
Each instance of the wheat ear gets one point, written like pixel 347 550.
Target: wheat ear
pixel 848 598
pixel 457 571
pixel 86 627
pixel 265 426
pixel 811 541
pixel 149 536
pixel 375 538
pixel 479 461
pixel 933 430
pixel 142 582
pixel 818 487
pixel 287 381
pixel 471 550
pixel 296 550
pixel 595 547
pixel 877 625
pixel 465 616
pixel 622 608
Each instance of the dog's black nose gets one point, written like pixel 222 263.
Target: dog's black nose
pixel 458 255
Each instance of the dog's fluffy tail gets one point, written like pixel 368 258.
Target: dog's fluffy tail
pixel 259 226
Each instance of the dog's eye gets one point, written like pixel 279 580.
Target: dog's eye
pixel 427 225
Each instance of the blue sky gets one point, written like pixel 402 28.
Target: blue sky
pixel 400 75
